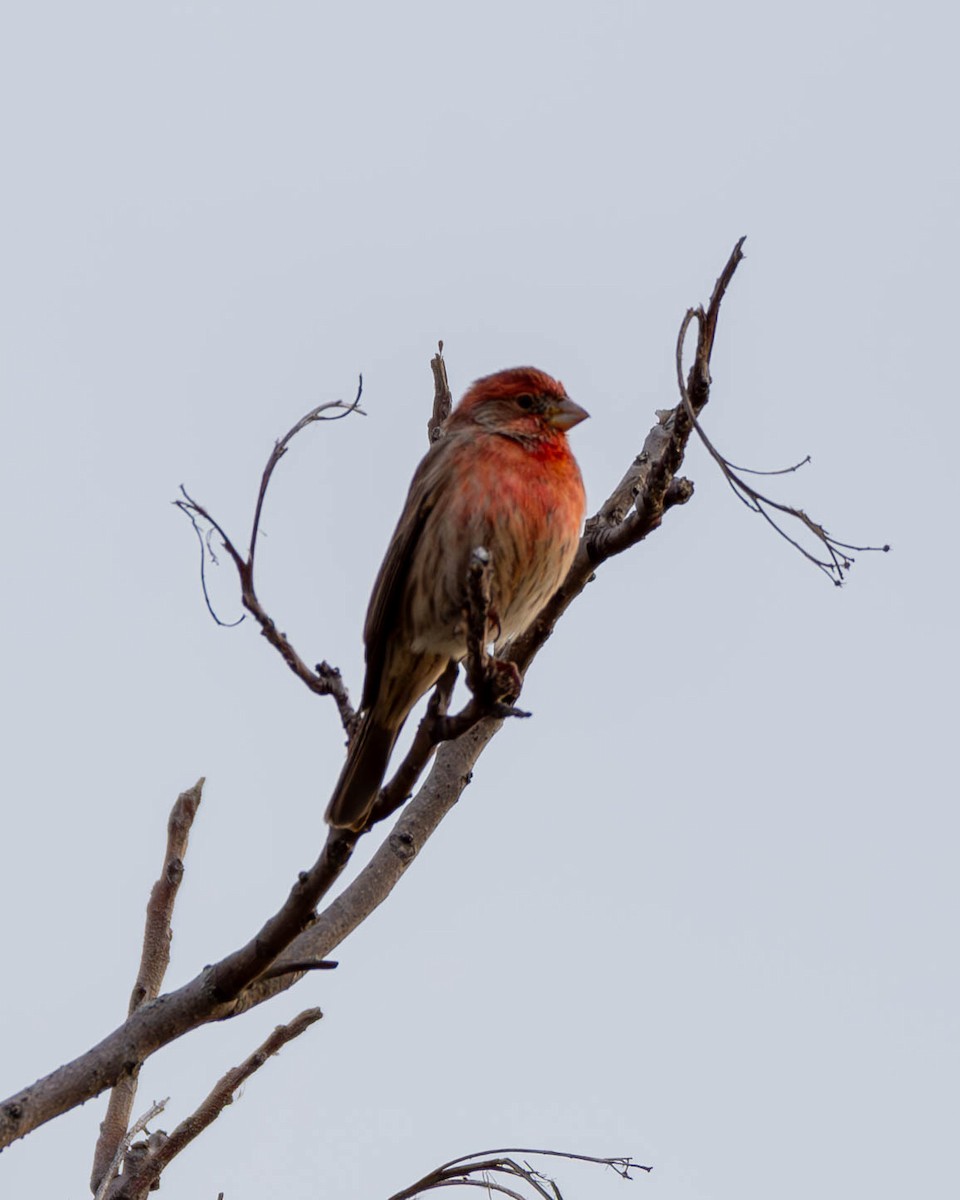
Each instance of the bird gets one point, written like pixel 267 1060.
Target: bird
pixel 501 476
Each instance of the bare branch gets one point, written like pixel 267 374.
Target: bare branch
pixel 148 1172
pixel 476 1170
pixel 836 562
pixel 325 680
pixel 620 1163
pixel 154 960
pixel 450 773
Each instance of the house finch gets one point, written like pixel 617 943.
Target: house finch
pixel 502 477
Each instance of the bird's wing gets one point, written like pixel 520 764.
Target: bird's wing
pixel 427 490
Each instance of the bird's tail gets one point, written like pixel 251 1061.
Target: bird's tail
pixel 362 774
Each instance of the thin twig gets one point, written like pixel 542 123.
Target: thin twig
pixel 205 550
pixel 154 960
pixel 837 562
pixel 621 1163
pixel 301 967
pixel 280 449
pixel 782 471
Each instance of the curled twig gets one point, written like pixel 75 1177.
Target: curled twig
pixel 186 505
pixel 320 413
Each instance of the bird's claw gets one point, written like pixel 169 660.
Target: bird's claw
pixel 499 683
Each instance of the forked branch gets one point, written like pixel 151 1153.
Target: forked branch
pixel 324 679
pixel 145 1175
pixel 839 554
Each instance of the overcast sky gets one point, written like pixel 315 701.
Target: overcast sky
pixel 701 909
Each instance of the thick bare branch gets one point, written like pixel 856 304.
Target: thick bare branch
pixel 220 991
pixel 210 996
pixel 154 960
pixel 450 773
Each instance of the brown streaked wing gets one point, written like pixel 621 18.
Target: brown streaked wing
pixel 384 612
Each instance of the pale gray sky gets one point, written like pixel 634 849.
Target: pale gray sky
pixel 702 909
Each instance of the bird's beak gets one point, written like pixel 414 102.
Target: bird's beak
pixel 566 414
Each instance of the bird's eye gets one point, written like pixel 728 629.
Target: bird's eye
pixel 525 401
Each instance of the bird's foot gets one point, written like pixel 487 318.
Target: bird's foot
pixel 496 687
